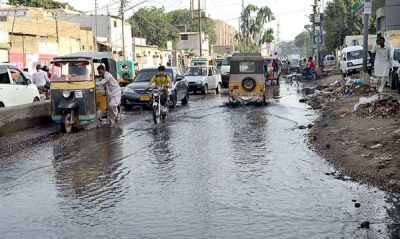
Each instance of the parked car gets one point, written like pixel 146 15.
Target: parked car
pixel 352 60
pixel 226 71
pixel 295 65
pixel 15 87
pixel 203 78
pixel 394 78
pixel 135 93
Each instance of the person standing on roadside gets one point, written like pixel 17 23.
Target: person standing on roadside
pixel 383 63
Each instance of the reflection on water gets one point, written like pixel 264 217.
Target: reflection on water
pixel 88 171
pixel 208 172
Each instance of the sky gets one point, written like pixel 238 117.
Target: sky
pixel 292 14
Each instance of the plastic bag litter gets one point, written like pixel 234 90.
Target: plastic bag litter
pixel 365 100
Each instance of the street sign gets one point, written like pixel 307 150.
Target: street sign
pixel 367 8
pixel 357 5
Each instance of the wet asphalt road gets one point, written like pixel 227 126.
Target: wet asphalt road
pixel 209 171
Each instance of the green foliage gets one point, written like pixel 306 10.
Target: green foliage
pixel 183 17
pixel 46 4
pixel 253 34
pixel 303 41
pixel 153 24
pixel 341 22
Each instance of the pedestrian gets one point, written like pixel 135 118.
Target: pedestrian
pixel 383 63
pixel 40 78
pixel 313 67
pixel 113 93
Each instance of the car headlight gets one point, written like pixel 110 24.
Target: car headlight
pixel 66 93
pixel 349 64
pixel 129 90
pixel 199 83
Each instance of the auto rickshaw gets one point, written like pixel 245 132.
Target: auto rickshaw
pixel 247 83
pixel 272 69
pixel 74 95
pixel 126 72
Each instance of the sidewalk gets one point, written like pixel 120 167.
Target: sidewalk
pixel 363 144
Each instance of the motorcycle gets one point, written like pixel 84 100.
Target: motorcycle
pixel 160 110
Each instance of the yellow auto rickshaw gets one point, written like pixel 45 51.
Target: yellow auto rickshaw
pixel 74 95
pixel 247 82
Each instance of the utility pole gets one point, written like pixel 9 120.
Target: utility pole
pixel 317 29
pixel 200 38
pixel 95 23
pixel 123 28
pixel 367 12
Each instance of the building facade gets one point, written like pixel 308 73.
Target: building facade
pixel 225 34
pixel 36 36
pixel 108 33
pixel 189 42
pixel 150 55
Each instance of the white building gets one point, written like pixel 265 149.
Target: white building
pixel 108 31
pixel 268 49
pixel 189 42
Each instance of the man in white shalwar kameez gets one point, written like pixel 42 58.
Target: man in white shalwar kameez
pixel 113 93
pixel 383 63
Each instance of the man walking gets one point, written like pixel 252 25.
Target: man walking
pixel 113 93
pixel 383 62
pixel 40 78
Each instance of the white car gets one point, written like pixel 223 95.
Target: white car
pixel 203 78
pixel 15 88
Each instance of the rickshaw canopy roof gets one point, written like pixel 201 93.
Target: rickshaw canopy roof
pixel 86 56
pixel 246 57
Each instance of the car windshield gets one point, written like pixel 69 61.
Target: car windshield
pixel 196 71
pixel 227 61
pixel 146 75
pixel 396 55
pixel 354 55
pixel 71 71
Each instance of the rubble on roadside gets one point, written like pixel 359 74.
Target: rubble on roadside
pixel 371 105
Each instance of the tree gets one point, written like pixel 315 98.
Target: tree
pixel 183 17
pixel 253 35
pixel 154 25
pixel 46 4
pixel 340 22
pixel 303 41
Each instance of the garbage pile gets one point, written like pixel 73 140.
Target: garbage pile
pixel 375 106
pixel 371 105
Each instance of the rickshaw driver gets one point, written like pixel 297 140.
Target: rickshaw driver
pixel 161 80
pixel 113 93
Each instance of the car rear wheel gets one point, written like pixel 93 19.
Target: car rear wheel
pixel 36 100
pixel 186 99
pixel 1 104
pixel 205 89
pixel 218 90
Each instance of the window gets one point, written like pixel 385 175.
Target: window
pixel 245 67
pixel 91 48
pixel 184 37
pixel 115 23
pixel 4 77
pixel 353 55
pixel 83 47
pixel 18 77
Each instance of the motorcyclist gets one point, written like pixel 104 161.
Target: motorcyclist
pixel 161 80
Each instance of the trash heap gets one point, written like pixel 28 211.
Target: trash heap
pixel 371 105
pixel 384 107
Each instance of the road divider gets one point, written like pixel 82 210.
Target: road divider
pixel 22 117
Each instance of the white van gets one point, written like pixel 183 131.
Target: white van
pixel 351 60
pixel 226 71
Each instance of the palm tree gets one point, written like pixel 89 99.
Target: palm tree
pixel 253 20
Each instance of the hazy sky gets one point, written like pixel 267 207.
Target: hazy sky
pixel 291 13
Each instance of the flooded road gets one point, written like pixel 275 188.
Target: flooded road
pixel 209 172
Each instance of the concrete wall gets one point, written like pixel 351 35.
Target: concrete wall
pixel 225 33
pixel 18 118
pixel 192 43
